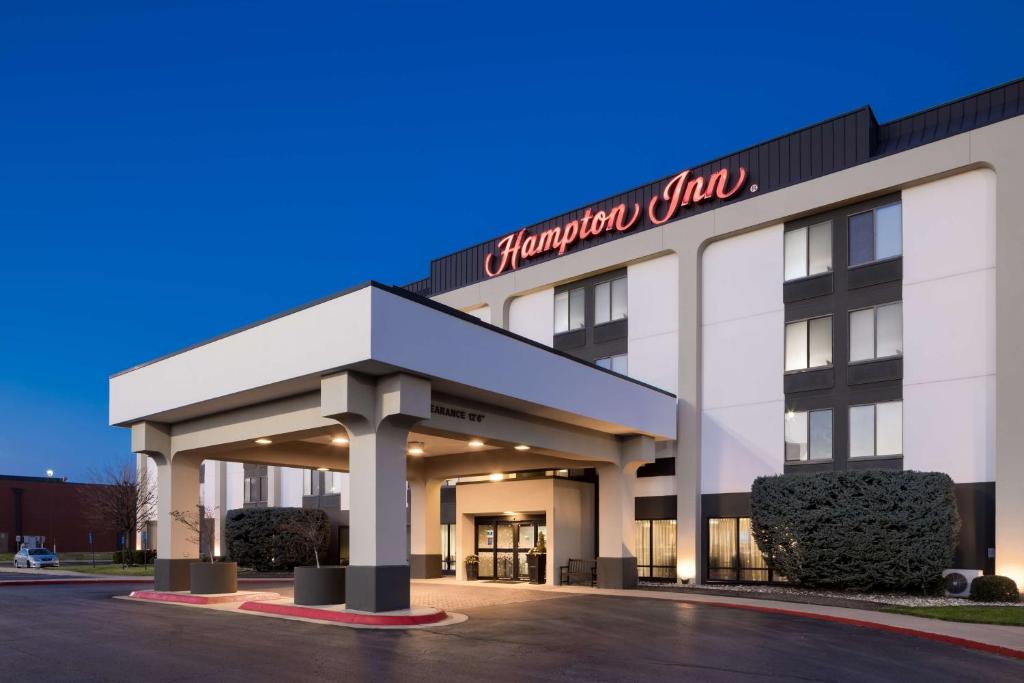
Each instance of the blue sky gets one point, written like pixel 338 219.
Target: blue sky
pixel 171 170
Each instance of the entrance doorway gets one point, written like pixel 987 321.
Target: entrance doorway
pixel 502 545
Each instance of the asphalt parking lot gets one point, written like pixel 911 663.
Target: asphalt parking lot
pixel 78 632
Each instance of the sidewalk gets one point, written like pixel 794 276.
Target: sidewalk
pixel 1006 640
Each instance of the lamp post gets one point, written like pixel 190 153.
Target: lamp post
pixel 49 475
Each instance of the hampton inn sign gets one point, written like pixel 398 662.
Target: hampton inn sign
pixel 681 190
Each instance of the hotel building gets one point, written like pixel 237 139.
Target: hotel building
pixel 846 296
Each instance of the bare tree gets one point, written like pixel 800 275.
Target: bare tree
pixel 123 501
pixel 311 529
pixel 194 522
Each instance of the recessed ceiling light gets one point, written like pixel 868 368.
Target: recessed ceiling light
pixel 339 441
pixel 476 443
pixel 264 442
pixel 522 447
pixel 497 476
pixel 415 448
pixel 323 469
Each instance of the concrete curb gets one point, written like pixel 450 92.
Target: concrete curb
pixel 345 617
pixel 142 579
pixel 189 599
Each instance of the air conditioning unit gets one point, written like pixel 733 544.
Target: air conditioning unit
pixel 958 581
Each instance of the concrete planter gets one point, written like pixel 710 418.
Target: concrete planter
pixel 206 578
pixel 319 585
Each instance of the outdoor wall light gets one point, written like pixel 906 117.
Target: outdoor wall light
pixel 415 448
pixel 339 441
pixel 264 442
pixel 522 447
pixel 497 476
pixel 476 443
pixel 790 414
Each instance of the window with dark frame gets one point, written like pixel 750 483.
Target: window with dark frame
pixel 619 363
pixel 610 301
pixel 876 429
pixel 808 251
pixel 656 549
pixel 808 435
pixel 809 343
pixel 733 555
pixel 875 235
pixel 570 310
pixel 876 332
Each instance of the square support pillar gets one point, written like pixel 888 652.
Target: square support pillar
pixel 425 528
pixel 377 413
pixel 177 548
pixel 616 557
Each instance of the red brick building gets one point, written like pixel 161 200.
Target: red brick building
pixel 51 512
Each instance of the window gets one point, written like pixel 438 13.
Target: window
pixel 569 307
pixel 610 301
pixel 617 364
pixel 876 332
pixel 808 251
pixel 809 343
pixel 733 554
pixel 255 489
pixel 656 548
pixel 877 234
pixel 876 429
pixel 808 435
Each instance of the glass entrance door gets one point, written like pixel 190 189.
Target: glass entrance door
pixel 502 546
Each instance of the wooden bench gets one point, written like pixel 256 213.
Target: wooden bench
pixel 581 572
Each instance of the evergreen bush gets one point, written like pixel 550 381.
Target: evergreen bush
pixel 260 537
pixel 861 530
pixel 994 589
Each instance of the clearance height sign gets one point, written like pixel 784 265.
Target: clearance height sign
pixel 678 192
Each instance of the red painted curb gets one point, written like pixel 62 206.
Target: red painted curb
pixel 344 617
pixel 926 635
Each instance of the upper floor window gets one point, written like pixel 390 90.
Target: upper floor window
pixel 876 234
pixel 808 250
pixel 809 343
pixel 614 363
pixel 808 435
pixel 876 429
pixel 610 301
pixel 569 310
pixel 876 332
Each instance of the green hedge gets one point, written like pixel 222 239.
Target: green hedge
pixel 994 589
pixel 257 537
pixel 865 529
pixel 134 557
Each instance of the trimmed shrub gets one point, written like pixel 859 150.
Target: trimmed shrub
pixel 994 589
pixel 258 537
pixel 135 556
pixel 864 529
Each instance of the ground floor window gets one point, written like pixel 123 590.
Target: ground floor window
pixel 448 549
pixel 733 554
pixel 656 549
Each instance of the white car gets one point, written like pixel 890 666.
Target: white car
pixel 36 557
